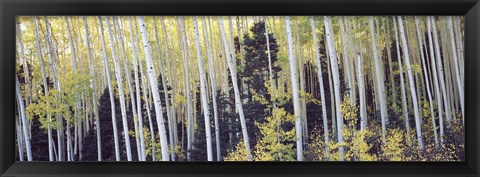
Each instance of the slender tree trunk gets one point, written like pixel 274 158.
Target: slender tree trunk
pixel 142 156
pixel 412 84
pixel 435 79
pixel 118 75
pixel 129 84
pixel 432 112
pixel 52 60
pixel 165 89
pixel 380 81
pixel 322 90
pixel 203 88
pixel 402 82
pixel 456 67
pixel 24 120
pixel 154 86
pixel 18 127
pixel 238 102
pixel 171 82
pixel 295 87
pixel 190 127
pixel 110 90
pixel 213 86
pixel 346 59
pixel 92 82
pixel 336 82
pixel 270 71
pixel 45 88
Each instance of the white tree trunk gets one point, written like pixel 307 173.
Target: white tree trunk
pixel 171 82
pixel 435 79
pixel 203 88
pixel 18 127
pixel 270 71
pixel 446 101
pixel 322 90
pixel 24 120
pixel 137 92
pixel 336 82
pixel 92 81
pixel 118 75
pixel 402 82
pixel 165 91
pixel 427 82
pixel 45 88
pixel 418 121
pixel 361 91
pixel 380 81
pixel 190 122
pixel 238 102
pixel 211 71
pixel 346 59
pixel 154 86
pixel 52 60
pixel 296 96
pixel 110 90
pixel 457 68
pixel 129 84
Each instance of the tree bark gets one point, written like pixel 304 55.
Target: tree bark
pixel 295 87
pixel 380 81
pixel 322 90
pixel 412 84
pixel 336 82
pixel 154 87
pixel 110 90
pixel 238 102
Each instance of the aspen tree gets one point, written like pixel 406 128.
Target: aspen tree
pixel 154 87
pixel 238 101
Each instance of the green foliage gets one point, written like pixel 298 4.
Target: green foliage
pixel 239 154
pixel 276 143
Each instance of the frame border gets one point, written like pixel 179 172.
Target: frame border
pixel 9 9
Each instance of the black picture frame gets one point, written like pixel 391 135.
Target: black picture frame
pixel 9 9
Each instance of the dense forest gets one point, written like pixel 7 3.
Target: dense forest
pixel 236 88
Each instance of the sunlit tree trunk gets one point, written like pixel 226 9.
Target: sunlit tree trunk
pixel 154 86
pixel 346 59
pixel 336 82
pixel 189 124
pixel 435 79
pixel 412 84
pixel 361 91
pixel 24 120
pixel 171 81
pixel 295 87
pixel 380 81
pixel 142 156
pixel 211 71
pixel 52 60
pixel 322 90
pixel 270 72
pixel 165 89
pixel 129 84
pixel 45 88
pixel 402 82
pixel 70 151
pixel 238 102
pixel 456 67
pixel 110 90
pixel 118 75
pixel 94 100
pixel 427 82
pixel 203 90
pixel 18 131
